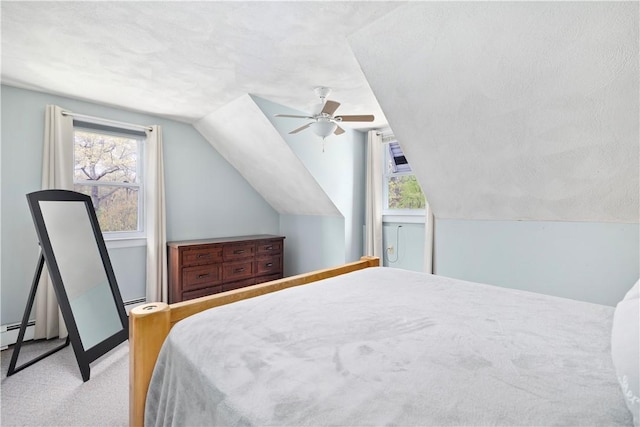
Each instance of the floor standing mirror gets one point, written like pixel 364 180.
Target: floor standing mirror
pixel 76 257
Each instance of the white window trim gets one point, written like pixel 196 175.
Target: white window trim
pixel 407 218
pixel 122 239
pixel 396 215
pixel 125 242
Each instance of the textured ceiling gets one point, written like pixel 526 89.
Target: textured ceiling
pixel 184 60
pixel 510 110
pixel 269 166
pixel 506 110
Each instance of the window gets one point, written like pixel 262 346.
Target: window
pixel 108 167
pixel 402 192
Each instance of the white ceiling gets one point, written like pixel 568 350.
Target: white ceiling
pixel 184 60
pixel 513 110
pixel 506 110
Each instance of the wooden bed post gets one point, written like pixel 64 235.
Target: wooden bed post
pixel 149 325
pixel 372 261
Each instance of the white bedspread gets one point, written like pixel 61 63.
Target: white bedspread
pixel 384 346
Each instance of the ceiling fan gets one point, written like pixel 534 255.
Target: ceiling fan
pixel 324 123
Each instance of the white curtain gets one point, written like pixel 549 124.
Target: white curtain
pixel 155 218
pixel 373 200
pixel 428 239
pixel 57 173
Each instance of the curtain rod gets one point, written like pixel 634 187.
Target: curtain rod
pixel 107 121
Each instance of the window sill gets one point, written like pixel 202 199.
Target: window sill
pixel 124 242
pixel 405 217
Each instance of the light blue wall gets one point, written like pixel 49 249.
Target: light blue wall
pixel 596 262
pixel 205 196
pixel 407 240
pixel 311 242
pixel 339 171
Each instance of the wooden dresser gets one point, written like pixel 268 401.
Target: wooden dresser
pixel 208 266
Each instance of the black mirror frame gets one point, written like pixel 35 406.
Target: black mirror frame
pixel 83 356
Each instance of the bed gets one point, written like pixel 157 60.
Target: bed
pixel 375 346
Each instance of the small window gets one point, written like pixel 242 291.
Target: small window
pixel 108 168
pixel 397 160
pixel 402 192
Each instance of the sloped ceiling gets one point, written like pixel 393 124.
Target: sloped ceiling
pixel 265 160
pixel 513 110
pixel 506 110
pixel 185 59
pixel 197 62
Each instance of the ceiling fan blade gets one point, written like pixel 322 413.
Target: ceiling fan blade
pixel 301 128
pixel 338 131
pixel 292 116
pixel 330 107
pixel 364 118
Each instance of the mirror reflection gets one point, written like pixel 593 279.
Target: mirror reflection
pixel 82 271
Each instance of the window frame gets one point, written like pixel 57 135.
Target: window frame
pixel 116 239
pixel 390 214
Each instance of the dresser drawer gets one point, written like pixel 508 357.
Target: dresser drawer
pixel 201 292
pixel 200 276
pixel 237 270
pixel 269 247
pixel 206 266
pixel 205 255
pixel 232 252
pixel 267 265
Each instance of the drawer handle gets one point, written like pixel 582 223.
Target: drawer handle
pixel 238 251
pixel 239 270
pixel 269 264
pixel 268 248
pixel 207 255
pixel 202 276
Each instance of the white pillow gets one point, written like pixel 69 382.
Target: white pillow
pixel 625 349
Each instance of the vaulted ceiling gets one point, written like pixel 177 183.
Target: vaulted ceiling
pixel 506 110
pixel 184 59
pixel 268 165
pixel 515 110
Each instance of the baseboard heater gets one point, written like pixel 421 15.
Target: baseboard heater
pixel 9 333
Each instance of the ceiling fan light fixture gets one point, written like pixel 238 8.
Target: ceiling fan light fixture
pixel 324 121
pixel 323 128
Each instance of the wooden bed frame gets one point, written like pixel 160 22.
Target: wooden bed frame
pixel 149 325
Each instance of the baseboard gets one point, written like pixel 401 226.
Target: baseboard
pixel 9 333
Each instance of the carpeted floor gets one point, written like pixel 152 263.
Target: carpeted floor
pixel 51 392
